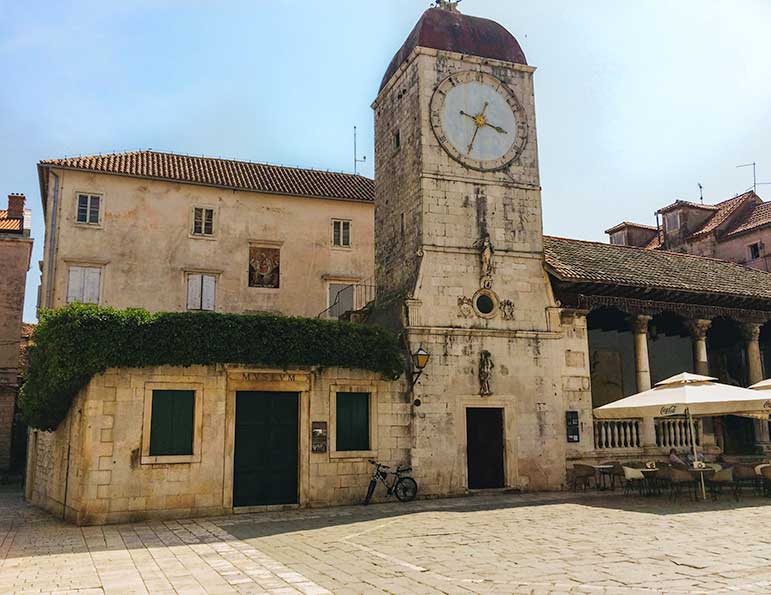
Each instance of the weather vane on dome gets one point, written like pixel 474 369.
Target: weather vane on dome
pixel 451 5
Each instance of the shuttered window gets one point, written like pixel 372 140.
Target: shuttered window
pixel 84 285
pixel 352 421
pixel 201 290
pixel 171 422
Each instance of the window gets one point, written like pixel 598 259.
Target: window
pixel 201 289
pixel 754 250
pixel 397 141
pixel 341 299
pixel 88 209
pixel 171 422
pixel 402 223
pixel 352 421
pixel 84 285
pixel 203 221
pixel 341 233
pixel 672 221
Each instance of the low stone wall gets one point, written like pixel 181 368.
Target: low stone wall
pixel 94 468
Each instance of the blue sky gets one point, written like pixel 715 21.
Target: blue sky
pixel 636 102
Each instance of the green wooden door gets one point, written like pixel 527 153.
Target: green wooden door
pixel 266 449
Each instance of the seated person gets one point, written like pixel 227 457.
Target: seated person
pixel 674 459
pixel 699 457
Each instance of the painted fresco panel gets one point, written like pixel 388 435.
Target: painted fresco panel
pixel 264 267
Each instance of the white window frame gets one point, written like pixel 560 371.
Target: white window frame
pixel 85 267
pixel 100 214
pixel 342 223
pixel 215 221
pixel 373 421
pixel 203 275
pixel 146 458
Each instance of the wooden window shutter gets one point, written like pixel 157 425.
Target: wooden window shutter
pixel 194 292
pixel 171 422
pixel 352 421
pixel 208 290
pixel 92 280
pixel 75 285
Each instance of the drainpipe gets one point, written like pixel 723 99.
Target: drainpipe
pixel 52 242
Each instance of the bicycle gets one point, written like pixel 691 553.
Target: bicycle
pixel 402 485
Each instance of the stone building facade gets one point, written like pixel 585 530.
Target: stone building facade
pixel 15 254
pixel 98 466
pixel 169 232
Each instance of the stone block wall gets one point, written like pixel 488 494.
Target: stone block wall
pixel 93 469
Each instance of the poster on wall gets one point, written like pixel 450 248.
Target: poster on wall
pixel 264 267
pixel 319 436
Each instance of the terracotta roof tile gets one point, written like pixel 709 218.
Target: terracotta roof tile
pixel 10 224
pixel 594 262
pixel 758 217
pixel 724 210
pixel 623 224
pixel 225 173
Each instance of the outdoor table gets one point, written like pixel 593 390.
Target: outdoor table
pixel 701 473
pixel 651 487
pixel 605 471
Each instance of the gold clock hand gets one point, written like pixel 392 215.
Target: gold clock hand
pixel 496 128
pixel 473 138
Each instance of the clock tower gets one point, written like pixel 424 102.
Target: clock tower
pixel 459 255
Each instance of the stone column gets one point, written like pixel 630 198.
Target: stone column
pixel 699 328
pixel 639 325
pixel 751 336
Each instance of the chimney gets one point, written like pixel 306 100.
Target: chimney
pixel 16 206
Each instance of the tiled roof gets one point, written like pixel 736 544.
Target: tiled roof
pixel 7 224
pixel 624 224
pixel 225 173
pixel 687 203
pixel 758 217
pixel 724 210
pixel 592 262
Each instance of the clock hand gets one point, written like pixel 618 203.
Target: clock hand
pixel 473 138
pixel 496 128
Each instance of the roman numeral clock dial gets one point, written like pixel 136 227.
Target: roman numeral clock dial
pixel 478 120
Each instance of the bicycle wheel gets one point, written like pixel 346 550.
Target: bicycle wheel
pixel 370 491
pixel 406 489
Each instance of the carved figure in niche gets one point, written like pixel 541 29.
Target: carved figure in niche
pixel 486 257
pixel 464 303
pixel 264 267
pixel 507 309
pixel 485 373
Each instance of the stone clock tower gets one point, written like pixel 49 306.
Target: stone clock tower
pixel 459 254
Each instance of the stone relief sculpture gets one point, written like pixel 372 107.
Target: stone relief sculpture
pixel 466 309
pixel 507 309
pixel 485 373
pixel 486 259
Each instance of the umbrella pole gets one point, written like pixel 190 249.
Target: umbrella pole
pixel 695 454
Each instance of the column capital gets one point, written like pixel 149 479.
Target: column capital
pixel 699 327
pixel 751 331
pixel 639 323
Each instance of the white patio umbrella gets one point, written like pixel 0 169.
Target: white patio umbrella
pixel 691 395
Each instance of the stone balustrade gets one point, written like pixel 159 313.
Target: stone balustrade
pixel 617 433
pixel 675 433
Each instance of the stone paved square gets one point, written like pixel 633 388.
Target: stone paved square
pixel 493 543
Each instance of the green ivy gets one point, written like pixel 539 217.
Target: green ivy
pixel 70 345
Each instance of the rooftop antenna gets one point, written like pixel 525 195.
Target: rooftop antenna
pixel 754 176
pixel 701 193
pixel 356 159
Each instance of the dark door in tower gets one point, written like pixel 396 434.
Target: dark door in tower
pixel 266 449
pixel 484 444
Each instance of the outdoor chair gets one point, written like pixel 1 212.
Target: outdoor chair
pixel 664 477
pixel 745 477
pixel 582 476
pixel 765 474
pixel 633 480
pixel 724 478
pixel 617 475
pixel 679 479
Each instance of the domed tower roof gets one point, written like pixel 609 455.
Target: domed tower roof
pixel 443 29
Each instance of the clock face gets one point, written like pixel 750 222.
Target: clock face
pixel 478 120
